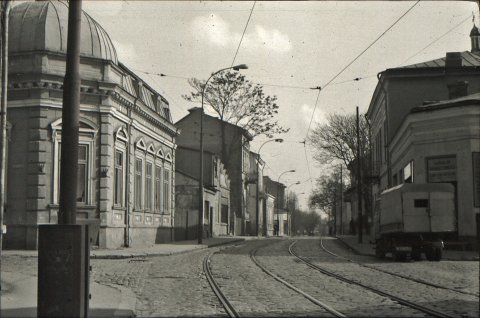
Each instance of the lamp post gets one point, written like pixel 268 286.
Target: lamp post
pixel 278 203
pixel 257 210
pixel 200 187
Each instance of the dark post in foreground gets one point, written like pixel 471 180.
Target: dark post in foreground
pixel 63 249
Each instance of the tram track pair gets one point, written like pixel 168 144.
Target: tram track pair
pixel 230 309
pixel 416 280
pixel 399 300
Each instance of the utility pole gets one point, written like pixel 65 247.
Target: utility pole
pixel 359 183
pixel 341 200
pixel 63 249
pixel 5 9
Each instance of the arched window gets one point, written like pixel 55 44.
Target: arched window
pixel 149 178
pixel 121 141
pixel 159 181
pixel 87 132
pixel 140 149
pixel 167 184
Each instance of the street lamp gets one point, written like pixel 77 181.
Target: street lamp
pixel 278 203
pixel 200 188
pixel 258 184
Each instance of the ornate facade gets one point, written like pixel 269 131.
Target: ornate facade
pixel 127 138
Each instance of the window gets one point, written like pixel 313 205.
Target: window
pixel 408 173
pixel 420 203
pixel 138 183
pixel 119 178
pixel 224 214
pixel 158 188
pixel 82 177
pixel 121 138
pixel 166 191
pixel 149 186
pixel 87 131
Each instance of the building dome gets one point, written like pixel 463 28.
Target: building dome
pixel 43 25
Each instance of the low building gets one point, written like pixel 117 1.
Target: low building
pixel 216 195
pixel 232 144
pixel 126 144
pixel 255 205
pixel 280 218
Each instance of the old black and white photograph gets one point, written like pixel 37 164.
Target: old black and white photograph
pixel 239 158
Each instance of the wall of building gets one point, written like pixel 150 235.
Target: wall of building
pixel 444 133
pixel 236 145
pixel 34 114
pixel 269 204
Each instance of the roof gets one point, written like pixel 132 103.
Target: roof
pixel 43 25
pixel 468 59
pixel 195 109
pixel 473 99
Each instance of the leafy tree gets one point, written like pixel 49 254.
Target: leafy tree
pixel 238 101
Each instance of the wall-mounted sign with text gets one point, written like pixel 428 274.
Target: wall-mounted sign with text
pixel 442 169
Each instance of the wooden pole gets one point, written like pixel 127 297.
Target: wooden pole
pixel 70 116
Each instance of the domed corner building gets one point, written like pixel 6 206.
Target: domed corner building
pixel 127 138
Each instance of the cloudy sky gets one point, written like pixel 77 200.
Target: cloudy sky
pixel 288 47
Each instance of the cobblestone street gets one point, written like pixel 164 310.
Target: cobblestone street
pixel 176 285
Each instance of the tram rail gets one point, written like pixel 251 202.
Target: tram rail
pixel 405 302
pixel 416 280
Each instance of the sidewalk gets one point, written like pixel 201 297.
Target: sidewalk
pixel 368 249
pixel 19 291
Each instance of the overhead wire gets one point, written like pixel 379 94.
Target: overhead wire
pixel 243 34
pixel 358 56
pixel 437 39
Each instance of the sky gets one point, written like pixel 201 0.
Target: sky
pixel 288 47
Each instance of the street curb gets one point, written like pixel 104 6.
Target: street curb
pixel 153 254
pixel 354 249
pixel 226 243
pixel 373 255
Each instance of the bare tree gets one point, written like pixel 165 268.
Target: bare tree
pixel 326 193
pixel 337 139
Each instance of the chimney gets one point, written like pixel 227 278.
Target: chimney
pixel 457 89
pixel 453 60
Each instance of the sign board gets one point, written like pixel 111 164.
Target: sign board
pixel 442 169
